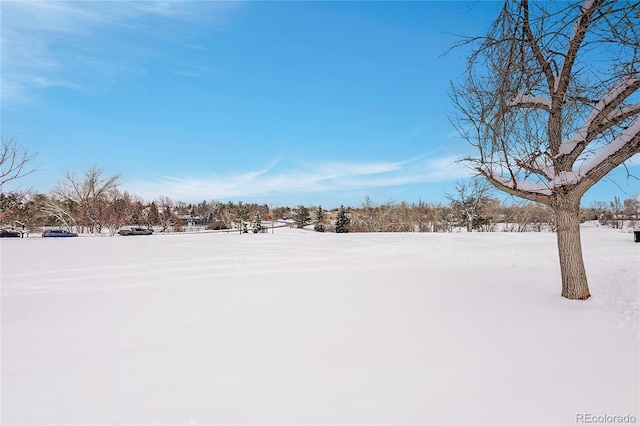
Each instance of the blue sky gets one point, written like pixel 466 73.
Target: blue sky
pixel 283 103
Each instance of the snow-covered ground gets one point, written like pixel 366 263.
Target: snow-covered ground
pixel 300 327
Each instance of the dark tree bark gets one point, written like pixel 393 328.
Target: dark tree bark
pixel 572 270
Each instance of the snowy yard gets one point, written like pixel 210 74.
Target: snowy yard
pixel 301 327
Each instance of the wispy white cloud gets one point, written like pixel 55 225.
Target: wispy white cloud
pixel 58 43
pixel 194 70
pixel 303 180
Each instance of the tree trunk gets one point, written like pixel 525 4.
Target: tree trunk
pixel 574 277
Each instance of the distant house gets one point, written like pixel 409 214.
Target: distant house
pixel 194 221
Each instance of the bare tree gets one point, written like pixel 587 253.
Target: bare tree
pixel 617 217
pixel 15 161
pixel 548 101
pixel 403 219
pixel 61 212
pixel 599 208
pixel 373 217
pixel 121 210
pixel 469 200
pixel 632 211
pixel 446 220
pixel 86 196
pixel 167 217
pixel 226 214
pixel 423 217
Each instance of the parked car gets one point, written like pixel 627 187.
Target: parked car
pixel 135 231
pixel 58 233
pixel 6 233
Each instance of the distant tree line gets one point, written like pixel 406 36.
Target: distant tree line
pixel 94 203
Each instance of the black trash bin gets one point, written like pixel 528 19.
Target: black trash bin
pixel 636 236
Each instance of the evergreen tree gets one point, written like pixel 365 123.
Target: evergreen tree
pixel 153 215
pixel 256 223
pixel 302 217
pixel 241 217
pixel 342 221
pixel 319 225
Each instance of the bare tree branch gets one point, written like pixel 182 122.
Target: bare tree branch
pixel 15 161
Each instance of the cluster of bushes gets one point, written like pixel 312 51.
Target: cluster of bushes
pixel 485 215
